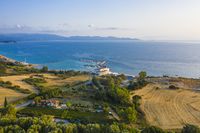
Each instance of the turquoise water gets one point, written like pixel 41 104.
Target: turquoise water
pixel 128 57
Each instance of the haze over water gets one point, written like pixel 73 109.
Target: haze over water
pixel 129 57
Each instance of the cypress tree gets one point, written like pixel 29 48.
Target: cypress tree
pixel 5 102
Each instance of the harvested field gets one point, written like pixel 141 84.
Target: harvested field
pixel 17 80
pixel 10 94
pixel 170 109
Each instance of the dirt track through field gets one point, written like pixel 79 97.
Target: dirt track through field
pixel 170 109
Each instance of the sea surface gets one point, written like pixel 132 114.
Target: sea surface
pixel 129 57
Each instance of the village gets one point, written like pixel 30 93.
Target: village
pixel 60 104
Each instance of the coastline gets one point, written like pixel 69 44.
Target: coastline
pixel 9 60
pixel 39 66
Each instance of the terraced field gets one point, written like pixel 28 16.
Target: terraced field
pixel 170 109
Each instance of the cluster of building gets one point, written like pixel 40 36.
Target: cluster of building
pixel 51 103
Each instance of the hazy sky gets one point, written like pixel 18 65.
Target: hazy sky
pixel 145 19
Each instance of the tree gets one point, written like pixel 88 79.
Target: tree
pixel 140 82
pixel 37 100
pixel 142 75
pixel 11 111
pixel 122 96
pixel 68 104
pixel 122 76
pixel 2 69
pixel 131 114
pixel 5 103
pixel 14 129
pixel 93 128
pixel 69 128
pixel 152 129
pixel 65 114
pixel 1 130
pixel 136 101
pixel 34 129
pixel 44 69
pixel 114 128
pixel 190 129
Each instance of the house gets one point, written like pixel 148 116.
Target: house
pixel 63 106
pixel 49 103
pixel 103 71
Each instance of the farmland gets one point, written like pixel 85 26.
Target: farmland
pixel 169 109
pixel 10 94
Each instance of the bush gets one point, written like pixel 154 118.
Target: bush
pixel 173 87
pixel 153 129
pixel 136 101
pixel 190 129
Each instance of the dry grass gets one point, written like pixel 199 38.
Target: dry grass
pixel 58 81
pixel 17 80
pixel 170 109
pixel 10 94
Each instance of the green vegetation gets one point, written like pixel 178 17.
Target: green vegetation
pixel 85 117
pixel 109 90
pixel 153 129
pixel 9 68
pixel 44 69
pixel 129 114
pixel 36 82
pixel 5 103
pixel 2 69
pixel 140 82
pixel 45 124
pixel 67 74
pixel 190 129
pixel 173 87
pixel 136 101
pixel 106 103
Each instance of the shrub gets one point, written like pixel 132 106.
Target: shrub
pixel 152 129
pixel 190 129
pixel 173 87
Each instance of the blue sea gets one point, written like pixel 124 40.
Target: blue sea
pixel 129 57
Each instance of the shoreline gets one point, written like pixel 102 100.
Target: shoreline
pixel 39 66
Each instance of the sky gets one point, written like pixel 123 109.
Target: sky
pixel 144 19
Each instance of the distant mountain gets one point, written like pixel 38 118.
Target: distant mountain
pixel 29 37
pixel 7 38
pixel 98 38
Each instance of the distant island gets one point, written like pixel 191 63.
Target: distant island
pixel 10 38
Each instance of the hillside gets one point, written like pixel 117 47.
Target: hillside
pixel 171 108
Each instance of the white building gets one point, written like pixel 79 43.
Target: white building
pixel 103 71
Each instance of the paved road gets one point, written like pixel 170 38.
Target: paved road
pixel 24 104
pixel 114 114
